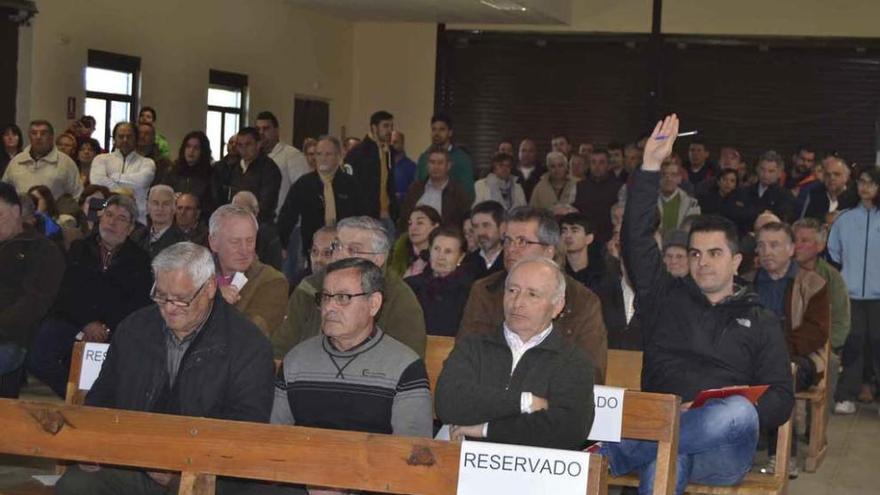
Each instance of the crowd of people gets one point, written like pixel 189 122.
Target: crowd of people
pixel 339 259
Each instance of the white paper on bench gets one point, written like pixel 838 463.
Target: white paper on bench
pixel 93 358
pixel 608 421
pixel 519 470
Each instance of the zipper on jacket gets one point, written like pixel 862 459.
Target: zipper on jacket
pixel 865 259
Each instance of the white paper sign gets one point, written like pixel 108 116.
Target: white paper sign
pixel 515 469
pixel 608 421
pixel 93 358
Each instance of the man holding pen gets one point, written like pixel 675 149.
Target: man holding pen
pixel 702 332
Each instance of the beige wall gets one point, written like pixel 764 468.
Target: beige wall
pixel 284 52
pixel 393 70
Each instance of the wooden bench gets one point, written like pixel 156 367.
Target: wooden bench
pixel 201 449
pixel 624 370
pixel 817 397
pixel 646 416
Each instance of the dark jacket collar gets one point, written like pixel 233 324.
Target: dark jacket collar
pixel 553 343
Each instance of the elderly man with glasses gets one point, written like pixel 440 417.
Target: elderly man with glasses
pixel 533 232
pixel 401 316
pixel 353 376
pixel 190 354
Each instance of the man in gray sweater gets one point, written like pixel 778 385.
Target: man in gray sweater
pixel 524 383
pixel 353 376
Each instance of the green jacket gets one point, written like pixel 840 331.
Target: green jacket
pixel 839 297
pixel 400 317
pixel 462 169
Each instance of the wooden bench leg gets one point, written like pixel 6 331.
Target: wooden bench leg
pixel 818 441
pixel 197 484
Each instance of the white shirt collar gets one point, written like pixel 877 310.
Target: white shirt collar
pixel 518 347
pixel 490 260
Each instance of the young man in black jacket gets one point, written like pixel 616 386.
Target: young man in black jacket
pixel 371 163
pixel 701 332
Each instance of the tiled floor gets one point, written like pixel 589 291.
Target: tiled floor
pixel 852 466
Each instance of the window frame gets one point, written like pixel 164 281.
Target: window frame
pixel 228 81
pixel 120 63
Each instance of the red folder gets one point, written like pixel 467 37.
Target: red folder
pixel 753 393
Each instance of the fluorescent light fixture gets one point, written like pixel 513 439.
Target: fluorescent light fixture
pixel 505 5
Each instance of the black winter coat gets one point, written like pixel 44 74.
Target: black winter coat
pixel 690 344
pixel 442 299
pixel 476 386
pixel 364 160
pixel 227 373
pixel 89 294
pixel 263 178
pixel 305 201
pixel 31 267
pixel 195 180
pixel 817 203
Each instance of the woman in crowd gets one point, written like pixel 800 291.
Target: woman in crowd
pixel 500 184
pixel 88 149
pixel 443 287
pixel 719 197
pixel 45 214
pixel 66 143
pixel 853 244
pixel 191 172
pixel 410 255
pixel 310 148
pixel 13 143
pixel 556 188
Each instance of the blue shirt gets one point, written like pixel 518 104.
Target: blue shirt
pixel 771 292
pixel 404 175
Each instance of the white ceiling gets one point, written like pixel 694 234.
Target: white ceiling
pixel 446 11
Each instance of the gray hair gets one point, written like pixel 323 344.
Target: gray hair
pixel 221 214
pixel 124 202
pixel 372 279
pixel 250 200
pixel 161 188
pixel 327 229
pixel 812 224
pixel 381 244
pixel 548 229
pixel 191 258
pixel 555 155
pixel 559 293
pixel 333 140
pixel 772 156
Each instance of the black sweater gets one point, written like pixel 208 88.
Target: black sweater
pixel 690 344
pixel 476 386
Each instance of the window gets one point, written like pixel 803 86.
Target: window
pixel 111 91
pixel 226 109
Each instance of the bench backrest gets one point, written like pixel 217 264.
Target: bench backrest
pixel 624 369
pixel 203 448
pixel 436 352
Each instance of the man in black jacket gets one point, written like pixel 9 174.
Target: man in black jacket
pixel 191 354
pixel 766 195
pixel 701 332
pixel 31 267
pixel 834 195
pixel 107 277
pixel 321 197
pixel 371 162
pixel 523 384
pixel 255 172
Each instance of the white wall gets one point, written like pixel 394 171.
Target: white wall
pixel 284 52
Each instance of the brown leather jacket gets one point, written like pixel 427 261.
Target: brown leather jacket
pixel 580 322
pixel 808 317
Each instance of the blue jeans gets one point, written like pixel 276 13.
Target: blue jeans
pixel 49 358
pixel 716 445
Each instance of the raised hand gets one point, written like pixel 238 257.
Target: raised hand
pixel 659 145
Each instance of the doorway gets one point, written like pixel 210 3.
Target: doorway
pixel 311 119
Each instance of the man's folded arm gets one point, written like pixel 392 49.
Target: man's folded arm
pixel 461 400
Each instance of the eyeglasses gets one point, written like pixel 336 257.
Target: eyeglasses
pixel 519 242
pixel 351 250
pixel 326 253
pixel 175 302
pixel 340 299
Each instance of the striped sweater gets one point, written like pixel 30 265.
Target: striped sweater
pixel 380 386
